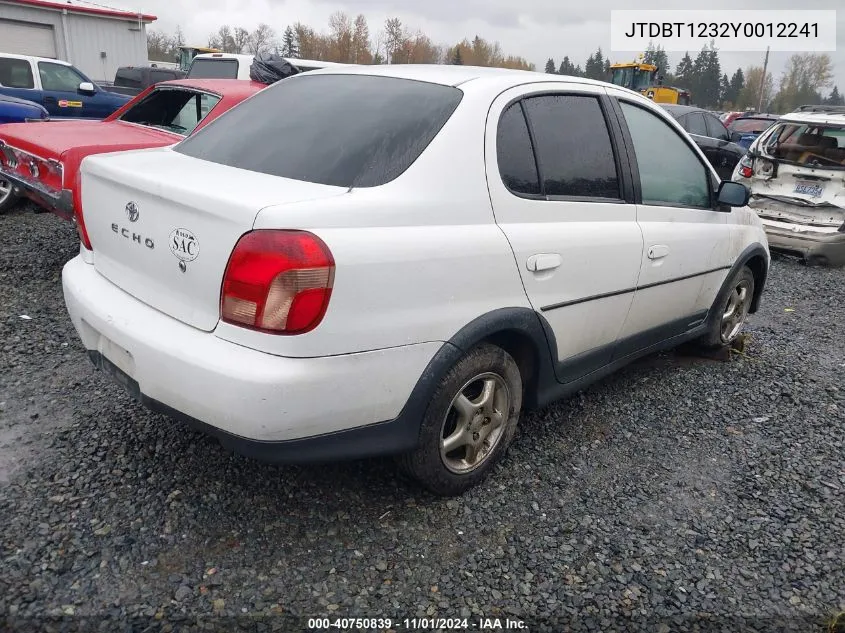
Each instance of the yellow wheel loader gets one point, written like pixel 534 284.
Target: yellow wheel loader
pixel 644 78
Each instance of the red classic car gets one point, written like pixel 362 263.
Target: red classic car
pixel 41 159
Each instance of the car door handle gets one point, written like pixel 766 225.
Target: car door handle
pixel 543 261
pixel 658 251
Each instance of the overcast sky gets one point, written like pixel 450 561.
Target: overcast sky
pixel 534 29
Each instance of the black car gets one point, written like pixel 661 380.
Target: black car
pixel 710 134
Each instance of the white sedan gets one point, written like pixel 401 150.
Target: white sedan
pixel 400 259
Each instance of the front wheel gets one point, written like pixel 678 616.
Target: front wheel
pixel 8 198
pixel 732 306
pixel 469 422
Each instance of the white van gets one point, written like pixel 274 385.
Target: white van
pixel 232 66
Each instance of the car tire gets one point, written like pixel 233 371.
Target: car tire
pixel 469 423
pixel 8 198
pixel 731 306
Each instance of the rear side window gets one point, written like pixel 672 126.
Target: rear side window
pixel 214 69
pixel 161 75
pixel 128 78
pixel 574 151
pixel 342 130
pixel 715 129
pixel 695 124
pixel 178 111
pixel 517 166
pixel 16 73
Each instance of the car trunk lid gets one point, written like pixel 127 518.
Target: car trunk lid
pixel 162 224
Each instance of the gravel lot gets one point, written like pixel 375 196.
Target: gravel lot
pixel 680 493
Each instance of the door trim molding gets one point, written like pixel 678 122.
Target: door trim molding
pixel 605 295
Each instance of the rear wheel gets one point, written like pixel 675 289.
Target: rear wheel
pixel 469 422
pixel 732 308
pixel 7 196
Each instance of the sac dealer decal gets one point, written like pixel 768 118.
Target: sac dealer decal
pixel 64 103
pixel 184 245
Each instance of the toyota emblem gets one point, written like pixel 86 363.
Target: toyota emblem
pixel 132 211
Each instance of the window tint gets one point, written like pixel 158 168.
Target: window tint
pixel 176 111
pixel 16 73
pixel 59 78
pixel 128 78
pixel 715 129
pixel 343 130
pixel 205 68
pixel 516 158
pixel 674 175
pixel 161 75
pixel 573 146
pixel 695 124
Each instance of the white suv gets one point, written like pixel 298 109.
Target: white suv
pixel 404 260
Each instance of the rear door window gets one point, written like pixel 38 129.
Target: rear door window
pixel 16 73
pixel 695 124
pixel 715 128
pixel 342 130
pixel 205 68
pixel 572 142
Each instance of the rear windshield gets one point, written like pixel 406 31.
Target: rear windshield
pixel 811 145
pixel 214 69
pixel 753 126
pixel 342 130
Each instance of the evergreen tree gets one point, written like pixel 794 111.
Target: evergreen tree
pixel 835 98
pixel 737 84
pixel 550 66
pixel 457 60
pixel 724 89
pixel 685 72
pixel 289 46
pixel 579 71
pixel 566 67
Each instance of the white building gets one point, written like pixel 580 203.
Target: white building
pixel 95 39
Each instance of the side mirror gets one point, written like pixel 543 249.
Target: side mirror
pixel 86 87
pixel 733 194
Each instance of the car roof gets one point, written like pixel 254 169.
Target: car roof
pixel 678 110
pixel 451 75
pixel 37 59
pixel 227 87
pixel 817 118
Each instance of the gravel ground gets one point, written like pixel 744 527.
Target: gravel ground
pixel 680 493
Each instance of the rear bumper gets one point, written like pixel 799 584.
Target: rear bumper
pixel 268 407
pixel 804 241
pixel 58 202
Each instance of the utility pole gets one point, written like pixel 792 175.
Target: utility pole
pixel 763 81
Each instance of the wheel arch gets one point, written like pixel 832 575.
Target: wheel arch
pixel 756 258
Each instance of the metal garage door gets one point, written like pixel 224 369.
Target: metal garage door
pixel 26 38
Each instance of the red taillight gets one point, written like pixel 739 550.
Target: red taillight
pixel 77 213
pixel 746 167
pixel 277 281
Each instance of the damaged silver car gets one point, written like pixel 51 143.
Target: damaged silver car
pixel 796 173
